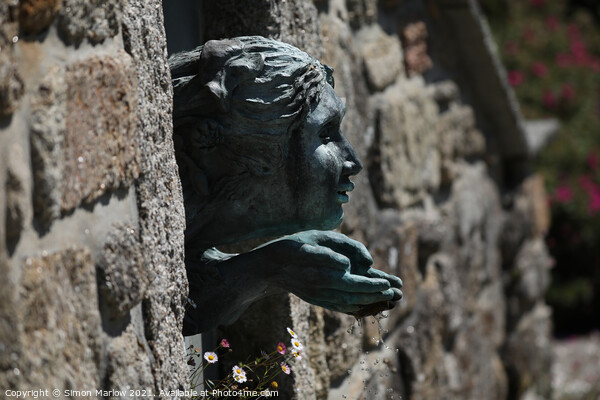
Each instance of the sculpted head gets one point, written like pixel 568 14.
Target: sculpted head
pixel 258 140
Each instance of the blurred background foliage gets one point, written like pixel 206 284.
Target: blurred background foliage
pixel 551 51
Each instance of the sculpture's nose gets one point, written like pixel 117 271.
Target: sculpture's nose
pixel 352 164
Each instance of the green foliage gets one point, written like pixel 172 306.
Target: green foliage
pixel 552 57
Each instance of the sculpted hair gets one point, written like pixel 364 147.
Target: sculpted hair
pixel 245 97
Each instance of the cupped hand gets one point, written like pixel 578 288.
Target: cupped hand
pixel 330 270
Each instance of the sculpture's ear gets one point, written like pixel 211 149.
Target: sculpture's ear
pixel 223 66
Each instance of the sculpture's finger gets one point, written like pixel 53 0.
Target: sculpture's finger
pixel 342 244
pixel 394 280
pixel 324 256
pixel 360 284
pixel 343 298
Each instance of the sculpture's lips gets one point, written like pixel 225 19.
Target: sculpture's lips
pixel 342 196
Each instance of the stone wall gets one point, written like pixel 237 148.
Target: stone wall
pixel 91 217
pixel 91 213
pixel 445 201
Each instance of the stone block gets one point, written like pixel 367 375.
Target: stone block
pixel 94 20
pixel 527 353
pixel 18 207
pixel 37 15
pixel 382 57
pixel 343 341
pixel 101 106
pixel 128 365
pixel 60 320
pixel 294 22
pixel 48 126
pixel 361 12
pixel 395 250
pixel 414 41
pixel 11 84
pixel 123 277
pixel 405 161
pixel 534 189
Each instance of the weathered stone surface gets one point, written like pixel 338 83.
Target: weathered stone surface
pixel 395 250
pixel 160 202
pixel 343 343
pixel 18 208
pixel 37 15
pixel 361 12
pixel 529 277
pixel 458 138
pixel 11 84
pixel 94 20
pixel 61 323
pixel 405 162
pixel 294 22
pixel 414 40
pixel 381 56
pixel 123 277
pixel 128 366
pixel 101 114
pixel 48 126
pixel 527 354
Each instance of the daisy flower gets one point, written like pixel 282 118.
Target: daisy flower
pixel 281 348
pixel 211 357
pixel 240 378
pixel 292 333
pixel 296 344
pixel 285 368
pixel 238 372
pixel 297 354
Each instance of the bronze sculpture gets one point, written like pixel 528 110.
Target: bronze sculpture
pixel 260 151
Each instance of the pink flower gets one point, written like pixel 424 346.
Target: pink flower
pixel 592 160
pixel 567 91
pixel 539 69
pixel 515 78
pixel 224 343
pixel 549 100
pixel 281 349
pixel 285 368
pixel 552 22
pixel 594 202
pixel 563 193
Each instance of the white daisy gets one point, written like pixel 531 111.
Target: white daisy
pixel 211 357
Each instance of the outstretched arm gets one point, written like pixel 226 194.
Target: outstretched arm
pixel 321 267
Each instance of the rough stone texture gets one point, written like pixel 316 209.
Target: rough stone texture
pixel 94 20
pixel 91 211
pixel 11 84
pixel 427 207
pixel 101 106
pixel 405 161
pixel 414 40
pixel 48 127
pixel 36 15
pixel 129 365
pixel 294 22
pixel 123 277
pixel 159 198
pixel 18 209
pixel 60 322
pixel 381 56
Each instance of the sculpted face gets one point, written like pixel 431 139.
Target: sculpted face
pixel 321 163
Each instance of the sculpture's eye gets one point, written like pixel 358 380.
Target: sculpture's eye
pixel 329 132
